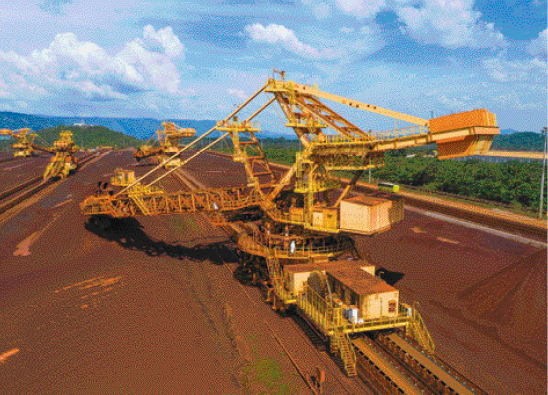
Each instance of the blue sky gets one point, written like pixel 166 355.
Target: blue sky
pixel 198 59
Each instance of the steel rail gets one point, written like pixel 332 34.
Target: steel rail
pixel 27 193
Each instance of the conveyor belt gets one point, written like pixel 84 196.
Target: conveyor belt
pixel 441 374
pixel 402 382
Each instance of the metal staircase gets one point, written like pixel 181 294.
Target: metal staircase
pixel 341 344
pixel 140 203
pixel 418 331
pixel 274 271
pixel 275 275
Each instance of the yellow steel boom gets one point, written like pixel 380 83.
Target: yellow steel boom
pixel 350 148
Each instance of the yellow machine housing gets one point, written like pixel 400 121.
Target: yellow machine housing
pixel 167 142
pixel 24 147
pixel 306 215
pixel 63 161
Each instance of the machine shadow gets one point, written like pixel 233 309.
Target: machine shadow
pixel 129 233
pixel 390 277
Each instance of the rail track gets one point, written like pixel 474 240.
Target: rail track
pixel 23 191
pixel 8 159
pixel 492 221
pixel 395 366
pixel 189 182
pixel 389 363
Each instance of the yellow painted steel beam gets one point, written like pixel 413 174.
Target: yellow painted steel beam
pixel 324 119
pixel 337 117
pixel 304 89
pixel 260 109
pixel 236 111
pixel 515 154
pixel 144 200
pixel 189 159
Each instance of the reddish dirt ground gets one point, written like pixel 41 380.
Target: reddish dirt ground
pixel 17 171
pixel 440 261
pixel 5 155
pixel 513 300
pixel 146 307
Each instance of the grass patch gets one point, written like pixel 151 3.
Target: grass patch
pixel 186 223
pixel 268 375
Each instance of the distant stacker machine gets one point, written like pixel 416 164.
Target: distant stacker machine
pixel 63 160
pixel 166 143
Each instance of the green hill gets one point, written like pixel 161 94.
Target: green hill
pixel 522 141
pixel 89 137
pixel 141 128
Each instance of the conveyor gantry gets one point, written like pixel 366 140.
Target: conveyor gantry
pixel 143 200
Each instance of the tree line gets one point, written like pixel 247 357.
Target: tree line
pixel 512 183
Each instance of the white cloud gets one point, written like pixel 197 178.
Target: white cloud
pixel 335 47
pixel 286 38
pixel 537 47
pixel 240 94
pixel 511 99
pixel 19 61
pixel 502 70
pixel 448 23
pixel 451 24
pixel 320 9
pixel 165 37
pixel 346 30
pixel 86 69
pixel 361 9
pixel 458 103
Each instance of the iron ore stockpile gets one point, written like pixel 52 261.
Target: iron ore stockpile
pixel 174 269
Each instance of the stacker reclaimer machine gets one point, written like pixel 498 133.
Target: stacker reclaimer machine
pixel 297 235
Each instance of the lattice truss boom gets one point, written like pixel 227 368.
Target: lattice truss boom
pixel 347 147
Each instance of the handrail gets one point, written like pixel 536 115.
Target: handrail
pixel 346 326
pixel 392 134
pixel 295 219
pixel 171 203
pixel 424 331
pixel 279 246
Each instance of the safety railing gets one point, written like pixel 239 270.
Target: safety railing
pixel 316 308
pixel 324 314
pixel 297 218
pixel 152 201
pixel 277 246
pixel 280 216
pixel 421 332
pixel 275 273
pixel 392 134
pixel 242 126
pixel 399 133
